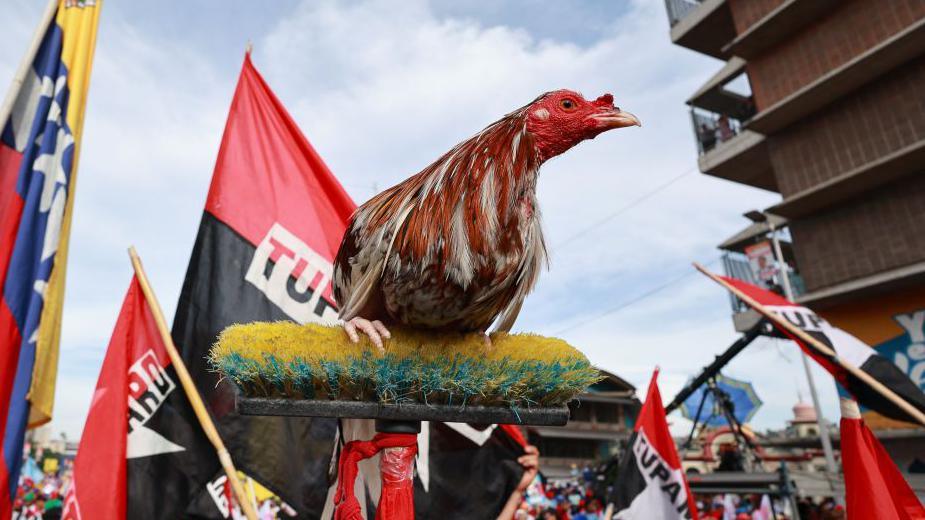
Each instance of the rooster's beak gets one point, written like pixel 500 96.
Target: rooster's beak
pixel 615 118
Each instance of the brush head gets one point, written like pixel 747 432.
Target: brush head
pixel 288 360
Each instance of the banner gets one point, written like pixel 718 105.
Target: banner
pixel 650 483
pixel 847 347
pixel 39 148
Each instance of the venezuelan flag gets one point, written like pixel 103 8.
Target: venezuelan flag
pixel 41 123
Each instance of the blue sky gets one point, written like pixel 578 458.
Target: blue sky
pixel 382 89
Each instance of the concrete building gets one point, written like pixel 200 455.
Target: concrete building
pixel 822 102
pixel 601 420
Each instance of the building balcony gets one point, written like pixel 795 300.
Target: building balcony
pixel 730 152
pixel 736 265
pixel 783 21
pixel 909 160
pixel 875 62
pixel 719 111
pixel 749 256
pixel 704 26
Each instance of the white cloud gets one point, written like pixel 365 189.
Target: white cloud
pixel 382 89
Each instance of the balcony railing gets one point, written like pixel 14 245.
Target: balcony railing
pixel 736 265
pixel 678 9
pixel 712 129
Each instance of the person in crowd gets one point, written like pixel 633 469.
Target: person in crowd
pixel 707 137
pixel 725 129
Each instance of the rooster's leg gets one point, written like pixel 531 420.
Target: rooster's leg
pixel 488 345
pixel 374 329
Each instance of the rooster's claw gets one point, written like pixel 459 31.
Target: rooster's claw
pixel 374 329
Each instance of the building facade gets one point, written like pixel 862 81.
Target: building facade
pixel 600 422
pixel 823 102
pixel 793 445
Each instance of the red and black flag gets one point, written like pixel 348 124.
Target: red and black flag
pixel 650 484
pixel 848 348
pixel 874 487
pixel 466 470
pixel 137 383
pixel 272 224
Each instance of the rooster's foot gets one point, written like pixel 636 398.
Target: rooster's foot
pixel 374 329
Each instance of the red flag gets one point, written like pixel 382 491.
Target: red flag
pixel 133 372
pixel 874 488
pixel 650 481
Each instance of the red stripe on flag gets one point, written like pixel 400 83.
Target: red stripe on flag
pixel 514 433
pixel 874 488
pixel 10 161
pixel 762 296
pixel 654 423
pixel 267 172
pixel 11 205
pixel 100 473
pixel 10 339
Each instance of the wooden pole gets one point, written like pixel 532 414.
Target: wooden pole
pixel 819 347
pixel 205 420
pixel 47 17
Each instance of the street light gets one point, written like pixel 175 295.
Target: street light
pixel 784 271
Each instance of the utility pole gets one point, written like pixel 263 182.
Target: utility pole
pixel 831 469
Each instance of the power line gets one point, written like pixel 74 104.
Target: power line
pixel 635 300
pixel 630 205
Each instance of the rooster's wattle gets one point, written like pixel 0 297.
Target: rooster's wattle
pixel 459 245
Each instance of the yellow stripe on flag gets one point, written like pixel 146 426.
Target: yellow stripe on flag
pixel 79 21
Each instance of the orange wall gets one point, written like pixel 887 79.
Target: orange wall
pixel 874 321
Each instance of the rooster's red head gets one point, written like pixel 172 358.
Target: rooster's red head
pixel 561 119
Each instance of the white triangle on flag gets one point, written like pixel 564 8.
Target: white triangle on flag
pixel 145 442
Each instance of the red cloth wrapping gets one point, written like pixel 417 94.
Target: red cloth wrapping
pixel 397 499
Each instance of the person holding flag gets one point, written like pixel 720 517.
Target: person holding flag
pixel 650 484
pixel 41 123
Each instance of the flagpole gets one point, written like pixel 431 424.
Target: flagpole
pixel 7 108
pixel 205 420
pixel 818 346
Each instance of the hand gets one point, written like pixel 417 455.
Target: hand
pixel 530 461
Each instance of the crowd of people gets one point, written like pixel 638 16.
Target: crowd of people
pixel 762 507
pixel 568 500
pixel 583 496
pixel 39 499
pixel 40 496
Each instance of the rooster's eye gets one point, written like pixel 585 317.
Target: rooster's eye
pixel 567 104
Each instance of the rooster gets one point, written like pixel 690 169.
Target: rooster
pixel 459 245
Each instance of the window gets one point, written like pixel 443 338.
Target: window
pixel 607 413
